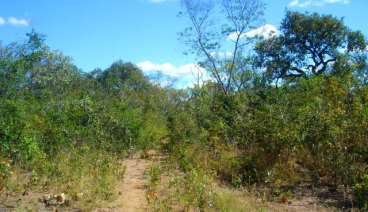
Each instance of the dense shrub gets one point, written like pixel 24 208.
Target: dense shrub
pixel 67 128
pixel 307 130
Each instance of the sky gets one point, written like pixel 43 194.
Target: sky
pixel 95 33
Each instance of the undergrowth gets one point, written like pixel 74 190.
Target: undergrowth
pixel 194 190
pixel 87 176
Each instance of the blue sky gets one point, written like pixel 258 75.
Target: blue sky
pixel 96 33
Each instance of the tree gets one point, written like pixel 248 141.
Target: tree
pixel 32 66
pixel 217 35
pixel 122 75
pixel 309 44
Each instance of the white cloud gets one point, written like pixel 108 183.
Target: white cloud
pixel 184 76
pixel 14 21
pixel 169 69
pixel 315 3
pixel 266 31
pixel 18 21
pixel 2 21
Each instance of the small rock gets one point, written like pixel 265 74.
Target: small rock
pixel 54 200
pixel 61 198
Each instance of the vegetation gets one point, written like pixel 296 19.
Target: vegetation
pixel 67 129
pixel 293 111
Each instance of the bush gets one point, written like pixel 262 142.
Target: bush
pixel 5 172
pixel 361 193
pixel 194 190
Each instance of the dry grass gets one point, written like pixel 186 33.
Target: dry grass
pixel 88 179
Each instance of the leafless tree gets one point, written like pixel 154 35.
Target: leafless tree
pixel 217 35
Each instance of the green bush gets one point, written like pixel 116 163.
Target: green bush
pixel 194 190
pixel 5 172
pixel 361 193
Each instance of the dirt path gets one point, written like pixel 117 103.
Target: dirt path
pixel 132 193
pixel 133 188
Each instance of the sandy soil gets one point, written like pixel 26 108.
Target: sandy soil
pixel 132 193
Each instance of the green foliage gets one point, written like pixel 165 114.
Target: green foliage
pixel 121 76
pixel 67 128
pixel 194 190
pixel 5 172
pixel 361 192
pixel 308 45
pixel 299 129
pixel 84 170
pixel 153 130
pixel 155 174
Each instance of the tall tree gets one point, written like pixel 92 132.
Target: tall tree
pixel 309 44
pixel 217 36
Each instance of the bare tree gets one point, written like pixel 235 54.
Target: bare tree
pixel 217 35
